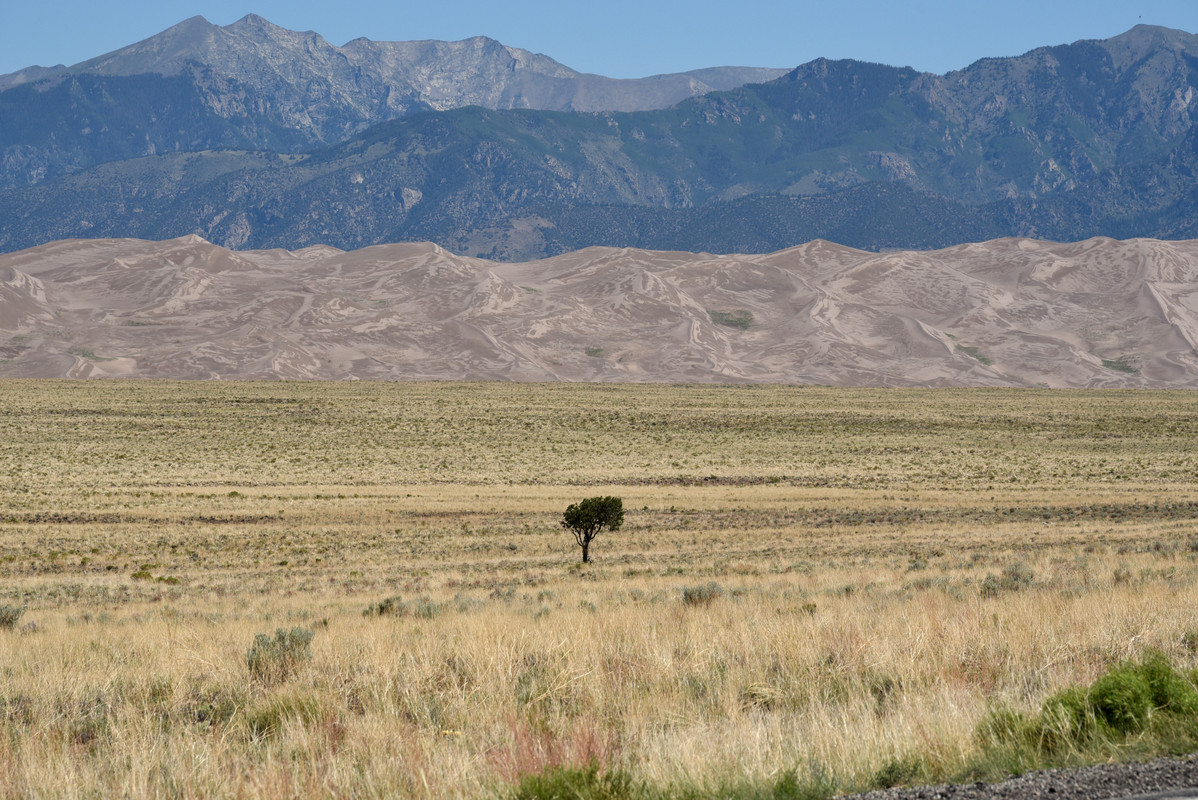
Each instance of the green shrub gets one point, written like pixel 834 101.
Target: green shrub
pixel 277 660
pixel 975 354
pixel 1122 699
pixel 741 318
pixel 1170 690
pixel 789 786
pixel 1121 703
pixel 900 772
pixel 579 783
pixel 1121 364
pixel 1004 726
pixel 1066 720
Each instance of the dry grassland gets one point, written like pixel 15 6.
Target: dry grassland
pixel 823 583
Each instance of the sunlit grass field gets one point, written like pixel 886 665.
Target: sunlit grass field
pixel 814 589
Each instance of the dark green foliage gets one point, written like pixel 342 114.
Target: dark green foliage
pixel 975 354
pixel 1147 701
pixel 1121 364
pixel 789 786
pixel 589 783
pixel 901 771
pixel 1121 699
pixel 587 518
pixel 1004 727
pixel 870 216
pixel 277 660
pixel 1170 690
pixel 1066 719
pixel 740 318
pixel 579 783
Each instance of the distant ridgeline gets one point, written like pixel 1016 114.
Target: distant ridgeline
pixel 519 157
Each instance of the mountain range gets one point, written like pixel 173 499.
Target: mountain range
pixel 256 86
pixel 1010 312
pixel 252 136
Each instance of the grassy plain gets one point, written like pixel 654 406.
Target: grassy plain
pixel 814 590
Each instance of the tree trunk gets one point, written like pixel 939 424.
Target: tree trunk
pixel 586 547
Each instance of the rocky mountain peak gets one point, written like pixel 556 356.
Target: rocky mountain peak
pixel 253 22
pixel 1143 40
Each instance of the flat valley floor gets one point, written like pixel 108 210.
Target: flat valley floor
pixel 818 589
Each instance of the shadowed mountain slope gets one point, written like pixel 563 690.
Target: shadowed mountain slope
pixel 1069 142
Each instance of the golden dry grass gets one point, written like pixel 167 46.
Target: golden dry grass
pixel 853 546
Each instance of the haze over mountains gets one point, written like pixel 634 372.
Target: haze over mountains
pixel 263 145
pixel 1099 313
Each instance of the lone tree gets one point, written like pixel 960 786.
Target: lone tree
pixel 587 518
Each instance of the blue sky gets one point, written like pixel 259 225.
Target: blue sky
pixel 620 38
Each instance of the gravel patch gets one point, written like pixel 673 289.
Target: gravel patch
pixel 1087 783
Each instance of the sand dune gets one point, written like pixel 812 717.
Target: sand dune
pixel 1098 313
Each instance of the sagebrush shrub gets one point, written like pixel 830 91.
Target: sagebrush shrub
pixel 277 660
pixel 703 595
pixel 391 606
pixel 9 615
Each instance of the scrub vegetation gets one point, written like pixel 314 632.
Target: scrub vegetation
pixel 334 589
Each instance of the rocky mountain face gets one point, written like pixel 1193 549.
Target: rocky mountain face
pixel 1013 312
pixel 1093 138
pixel 253 85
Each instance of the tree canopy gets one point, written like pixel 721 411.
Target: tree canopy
pixel 588 517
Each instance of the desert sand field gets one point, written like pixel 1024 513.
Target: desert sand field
pixel 1012 312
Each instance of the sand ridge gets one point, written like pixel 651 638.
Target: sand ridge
pixel 1018 312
